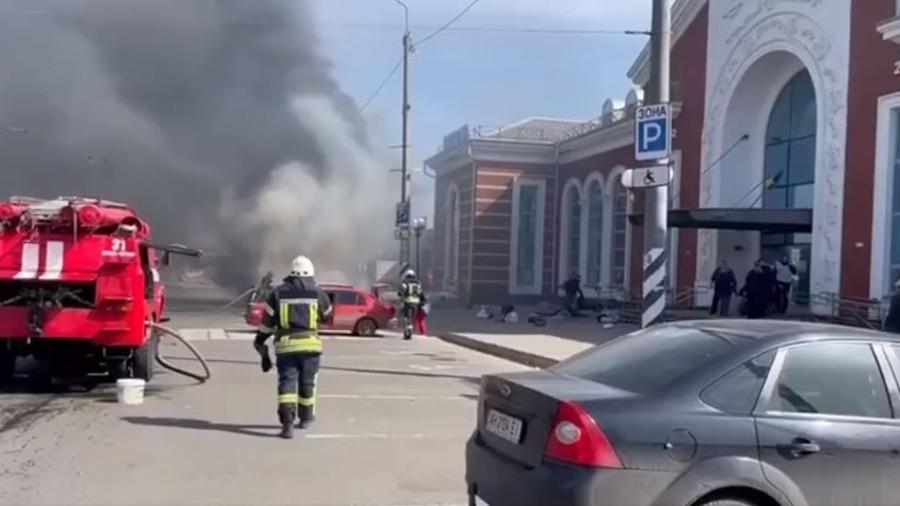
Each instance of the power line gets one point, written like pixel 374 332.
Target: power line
pixel 447 25
pixel 382 85
pixel 434 34
pixel 491 29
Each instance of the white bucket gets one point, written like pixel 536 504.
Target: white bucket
pixel 130 391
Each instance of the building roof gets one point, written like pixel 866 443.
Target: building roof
pixel 549 130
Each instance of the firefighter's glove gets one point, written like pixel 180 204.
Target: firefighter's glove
pixel 266 360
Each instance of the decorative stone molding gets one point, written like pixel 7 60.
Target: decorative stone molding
pixel 757 28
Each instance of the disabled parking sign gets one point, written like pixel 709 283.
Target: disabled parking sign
pixel 653 132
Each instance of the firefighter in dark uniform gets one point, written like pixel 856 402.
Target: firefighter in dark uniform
pixel 293 312
pixel 411 298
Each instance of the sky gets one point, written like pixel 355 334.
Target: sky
pixel 476 78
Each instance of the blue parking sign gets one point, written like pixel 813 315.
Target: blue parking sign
pixel 653 132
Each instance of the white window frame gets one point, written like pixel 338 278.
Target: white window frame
pixel 610 231
pixel 537 287
pixel 888 127
pixel 566 233
pixel 590 290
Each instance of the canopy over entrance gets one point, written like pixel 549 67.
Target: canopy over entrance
pixel 784 221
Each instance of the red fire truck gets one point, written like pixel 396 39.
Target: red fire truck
pixel 79 287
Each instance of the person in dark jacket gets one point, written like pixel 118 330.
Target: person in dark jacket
pixel 724 286
pixel 771 288
pixel 574 295
pixel 758 291
pixel 892 322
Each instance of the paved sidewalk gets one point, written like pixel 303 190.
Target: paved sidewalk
pixel 522 342
pixel 535 350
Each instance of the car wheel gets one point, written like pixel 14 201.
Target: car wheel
pixel 366 327
pixel 727 502
pixel 117 369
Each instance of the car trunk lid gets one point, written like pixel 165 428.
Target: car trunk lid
pixel 516 411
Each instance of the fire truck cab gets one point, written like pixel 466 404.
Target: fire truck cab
pixel 79 287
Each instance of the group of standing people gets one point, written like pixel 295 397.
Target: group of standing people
pixel 766 290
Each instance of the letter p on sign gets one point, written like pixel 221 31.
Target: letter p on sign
pixel 653 132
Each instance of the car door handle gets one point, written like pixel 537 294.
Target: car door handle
pixel 801 447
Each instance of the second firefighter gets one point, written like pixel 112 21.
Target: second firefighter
pixel 411 297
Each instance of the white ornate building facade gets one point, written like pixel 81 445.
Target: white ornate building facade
pixel 790 107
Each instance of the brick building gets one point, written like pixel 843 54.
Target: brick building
pixel 787 142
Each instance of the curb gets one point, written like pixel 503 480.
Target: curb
pixel 518 356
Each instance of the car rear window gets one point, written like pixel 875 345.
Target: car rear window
pixel 350 298
pixel 736 393
pixel 644 362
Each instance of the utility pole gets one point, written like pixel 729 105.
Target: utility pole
pixel 656 199
pixel 404 167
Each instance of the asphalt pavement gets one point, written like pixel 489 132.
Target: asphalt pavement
pixel 393 420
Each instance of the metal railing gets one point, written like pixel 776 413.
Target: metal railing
pixel 841 309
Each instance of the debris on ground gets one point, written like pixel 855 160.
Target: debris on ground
pixel 537 320
pixel 608 319
pixel 547 308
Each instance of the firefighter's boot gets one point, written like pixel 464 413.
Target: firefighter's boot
pixel 286 416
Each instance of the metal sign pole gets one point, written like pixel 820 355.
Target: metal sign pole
pixel 656 198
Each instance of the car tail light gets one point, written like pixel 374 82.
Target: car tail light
pixel 122 307
pixel 575 438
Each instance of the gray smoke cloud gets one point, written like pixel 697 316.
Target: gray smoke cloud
pixel 217 119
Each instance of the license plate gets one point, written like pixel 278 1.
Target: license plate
pixel 504 426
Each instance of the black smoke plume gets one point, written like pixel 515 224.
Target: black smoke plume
pixel 217 119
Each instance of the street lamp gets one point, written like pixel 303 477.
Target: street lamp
pixel 419 225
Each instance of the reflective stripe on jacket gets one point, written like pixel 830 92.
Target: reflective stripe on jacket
pixel 298 344
pixel 411 292
pixel 293 313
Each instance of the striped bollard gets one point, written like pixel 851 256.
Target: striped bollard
pixel 654 301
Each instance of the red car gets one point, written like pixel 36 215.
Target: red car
pixel 356 310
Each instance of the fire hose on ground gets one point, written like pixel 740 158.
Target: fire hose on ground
pixel 163 330
pixel 168 365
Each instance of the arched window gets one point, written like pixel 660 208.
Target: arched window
pixel 790 168
pixel 595 202
pixel 894 216
pixel 451 245
pixel 619 240
pixel 572 231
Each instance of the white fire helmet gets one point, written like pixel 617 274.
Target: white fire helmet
pixel 303 267
pixel 409 274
